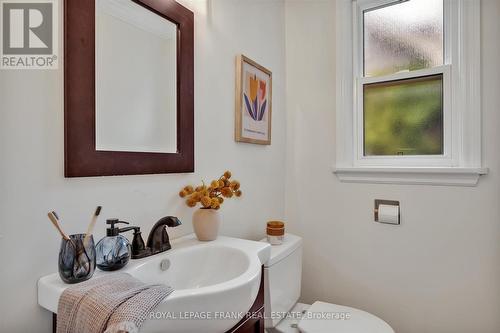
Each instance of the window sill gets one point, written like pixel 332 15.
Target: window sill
pixel 447 176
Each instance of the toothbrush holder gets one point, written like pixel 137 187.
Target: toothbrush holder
pixel 76 259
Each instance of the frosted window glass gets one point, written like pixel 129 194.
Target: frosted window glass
pixel 402 37
pixel 404 117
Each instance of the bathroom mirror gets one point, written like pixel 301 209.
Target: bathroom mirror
pixel 136 59
pixel 128 87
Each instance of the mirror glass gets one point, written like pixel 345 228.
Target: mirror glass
pixel 136 79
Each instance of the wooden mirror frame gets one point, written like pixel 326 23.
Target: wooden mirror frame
pixel 80 155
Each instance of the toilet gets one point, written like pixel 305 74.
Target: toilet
pixel 282 283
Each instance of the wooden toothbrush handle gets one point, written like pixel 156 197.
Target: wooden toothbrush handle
pixel 89 230
pixel 58 227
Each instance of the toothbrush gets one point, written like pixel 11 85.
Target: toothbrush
pixel 81 257
pixel 91 225
pixel 55 221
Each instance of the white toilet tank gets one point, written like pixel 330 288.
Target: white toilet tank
pixel 282 278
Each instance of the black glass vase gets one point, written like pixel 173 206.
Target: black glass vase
pixel 76 259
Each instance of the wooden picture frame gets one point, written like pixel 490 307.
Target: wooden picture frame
pixel 81 159
pixel 253 107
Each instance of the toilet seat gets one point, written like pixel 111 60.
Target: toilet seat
pixel 324 317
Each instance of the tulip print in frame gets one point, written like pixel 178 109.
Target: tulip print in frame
pixel 253 102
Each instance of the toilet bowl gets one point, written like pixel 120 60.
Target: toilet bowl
pixel 282 283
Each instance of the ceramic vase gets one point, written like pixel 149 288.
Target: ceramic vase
pixel 206 224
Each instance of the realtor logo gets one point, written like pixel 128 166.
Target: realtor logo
pixel 29 35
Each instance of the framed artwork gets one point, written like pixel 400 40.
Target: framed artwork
pixel 253 102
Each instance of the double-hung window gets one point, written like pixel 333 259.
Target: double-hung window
pixel 408 97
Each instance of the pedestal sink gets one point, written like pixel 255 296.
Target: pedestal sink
pixel 215 283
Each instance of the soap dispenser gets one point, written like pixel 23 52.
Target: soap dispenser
pixel 113 251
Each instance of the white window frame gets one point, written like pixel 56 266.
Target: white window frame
pixel 460 163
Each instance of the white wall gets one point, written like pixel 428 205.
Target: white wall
pixel 31 159
pixel 440 270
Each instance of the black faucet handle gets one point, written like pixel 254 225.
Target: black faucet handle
pixel 139 249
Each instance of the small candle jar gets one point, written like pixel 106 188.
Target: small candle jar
pixel 275 232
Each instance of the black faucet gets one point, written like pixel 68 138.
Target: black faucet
pixel 158 240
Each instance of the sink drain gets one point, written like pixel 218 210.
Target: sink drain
pixel 164 264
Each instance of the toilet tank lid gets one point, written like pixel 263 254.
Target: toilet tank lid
pixel 290 243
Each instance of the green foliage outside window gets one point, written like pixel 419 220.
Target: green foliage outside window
pixel 404 117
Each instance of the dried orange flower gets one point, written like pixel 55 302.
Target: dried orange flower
pixel 189 189
pixel 215 203
pixel 195 196
pixel 235 185
pixel 206 201
pixel 212 196
pixel 225 191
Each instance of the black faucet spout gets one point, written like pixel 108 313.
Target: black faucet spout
pixel 169 221
pixel 158 240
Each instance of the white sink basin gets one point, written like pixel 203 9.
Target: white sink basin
pixel 214 283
